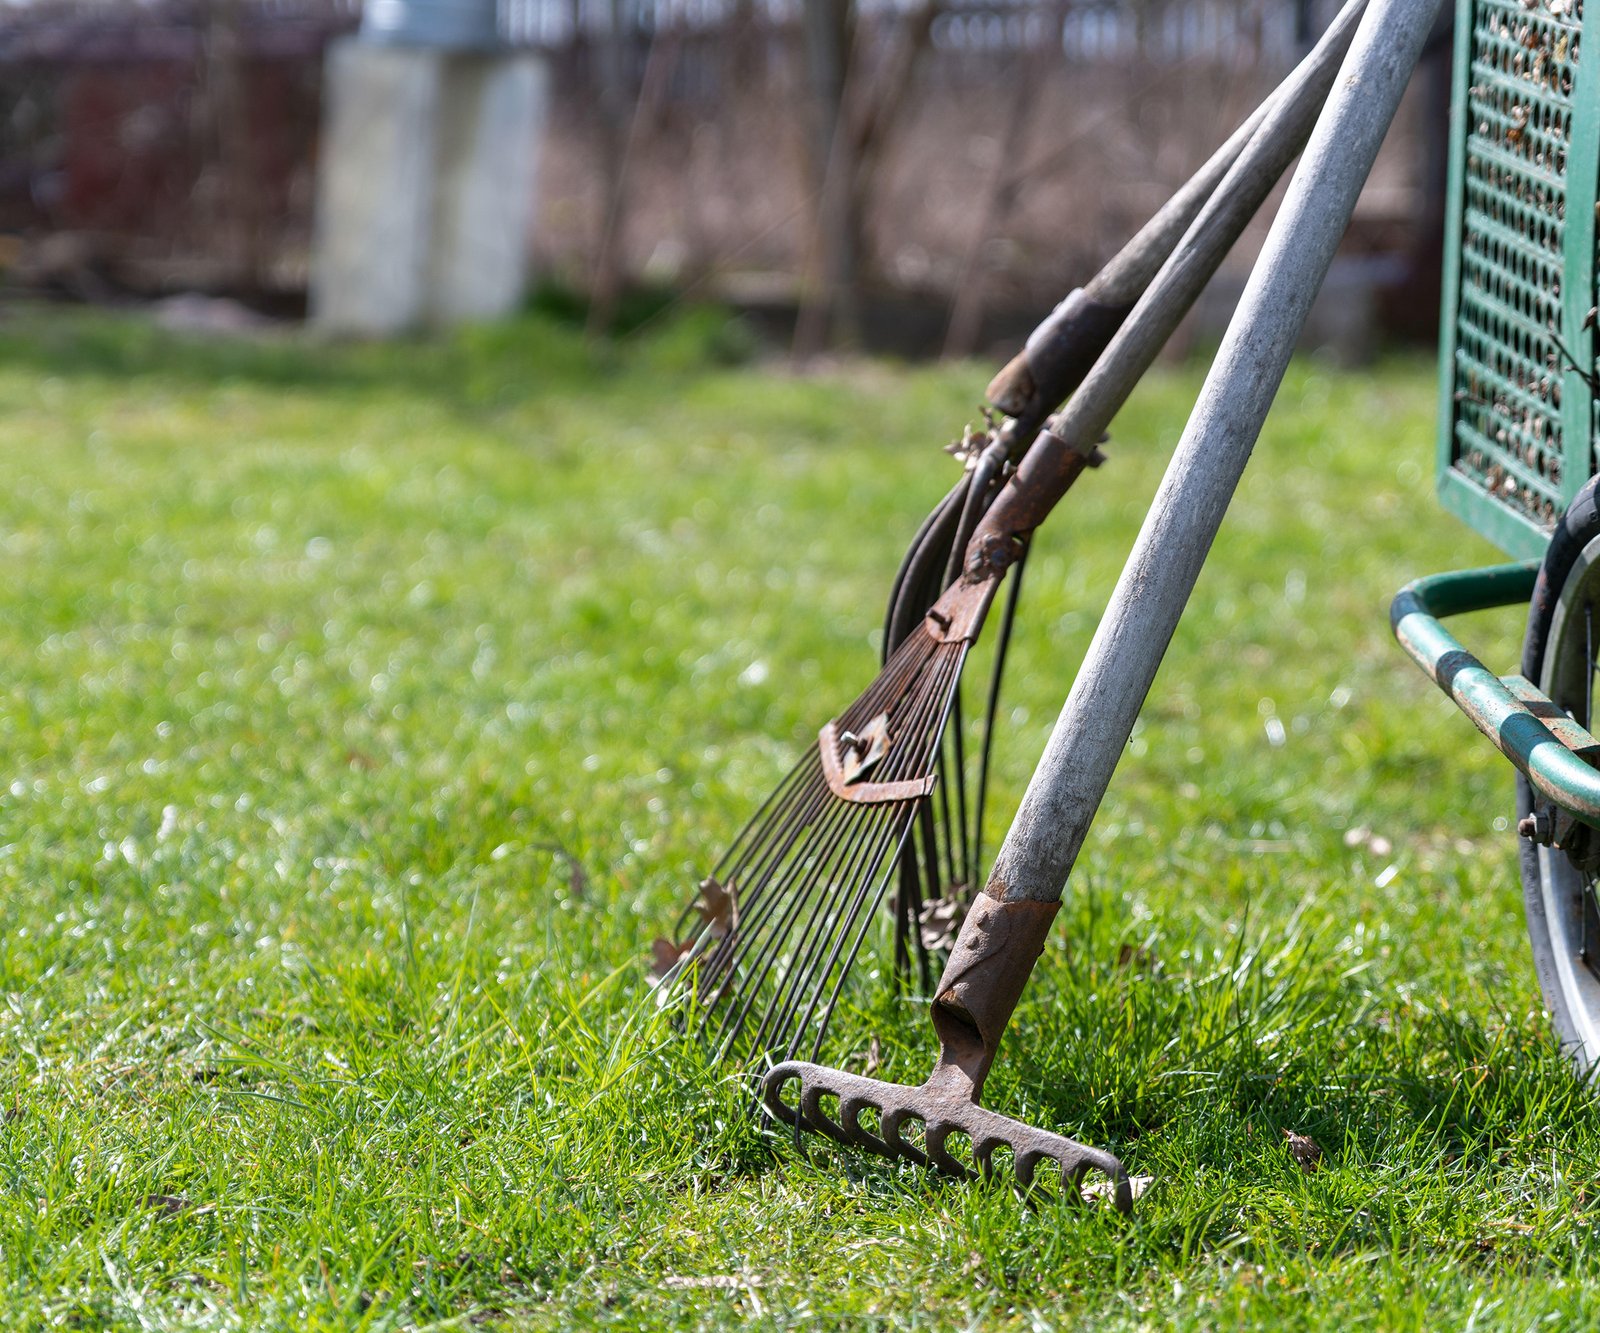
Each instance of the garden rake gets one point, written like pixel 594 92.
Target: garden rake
pixel 789 907
pixel 941 857
pixel 1003 934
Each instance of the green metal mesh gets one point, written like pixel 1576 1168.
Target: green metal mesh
pixel 1507 434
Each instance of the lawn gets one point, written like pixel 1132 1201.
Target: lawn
pixel 366 712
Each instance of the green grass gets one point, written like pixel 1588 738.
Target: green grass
pixel 364 713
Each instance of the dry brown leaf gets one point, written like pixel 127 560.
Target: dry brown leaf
pixel 664 956
pixel 1303 1148
pixel 718 907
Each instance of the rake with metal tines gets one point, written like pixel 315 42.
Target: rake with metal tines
pixel 990 964
pixel 1003 934
pixel 792 903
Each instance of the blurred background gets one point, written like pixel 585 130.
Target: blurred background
pixel 924 177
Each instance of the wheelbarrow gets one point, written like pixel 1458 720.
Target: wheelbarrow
pixel 1519 427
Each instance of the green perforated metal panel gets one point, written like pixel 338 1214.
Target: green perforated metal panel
pixel 1519 417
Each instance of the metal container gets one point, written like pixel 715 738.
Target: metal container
pixel 1517 365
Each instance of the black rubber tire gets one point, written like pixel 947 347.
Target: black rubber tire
pixel 1579 526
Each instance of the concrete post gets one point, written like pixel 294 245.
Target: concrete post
pixel 426 185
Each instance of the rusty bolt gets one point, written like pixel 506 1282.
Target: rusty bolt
pixel 1537 827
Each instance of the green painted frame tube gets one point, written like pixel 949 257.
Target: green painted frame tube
pixel 1499 707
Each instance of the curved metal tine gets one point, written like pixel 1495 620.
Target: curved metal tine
pixel 1073 1163
pixel 753 874
pixel 895 1141
pixel 881 876
pixel 781 794
pixel 794 870
pixel 759 823
pixel 766 878
pixel 816 1119
pixel 840 874
pixel 850 1110
pixel 997 671
pixel 869 877
pixel 854 1098
pixel 895 617
pixel 968 873
pixel 938 1135
pixel 983 1146
pixel 772 1098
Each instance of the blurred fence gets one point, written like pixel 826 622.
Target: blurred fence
pixel 1008 144
pixel 165 144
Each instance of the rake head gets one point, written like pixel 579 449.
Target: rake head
pixel 943 1107
pixel 988 967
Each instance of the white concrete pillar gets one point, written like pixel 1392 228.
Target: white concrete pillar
pixel 426 186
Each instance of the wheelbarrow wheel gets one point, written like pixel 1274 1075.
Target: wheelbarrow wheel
pixel 1559 896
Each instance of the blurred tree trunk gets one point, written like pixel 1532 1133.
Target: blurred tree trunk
pixel 998 199
pixel 605 276
pixel 853 110
pixel 828 307
pixel 1000 192
pixel 226 195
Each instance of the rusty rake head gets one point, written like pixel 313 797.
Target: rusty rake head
pixel 942 1108
pixel 990 963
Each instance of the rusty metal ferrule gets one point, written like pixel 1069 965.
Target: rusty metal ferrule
pixel 1046 473
pixel 1057 355
pixel 991 961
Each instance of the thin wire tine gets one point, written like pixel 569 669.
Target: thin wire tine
pixel 766 894
pixel 861 851
pixel 1008 620
pixel 954 732
pixel 809 882
pixel 849 962
pixel 795 903
pixel 874 880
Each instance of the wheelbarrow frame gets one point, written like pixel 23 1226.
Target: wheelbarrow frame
pixel 1548 747
pixel 1519 422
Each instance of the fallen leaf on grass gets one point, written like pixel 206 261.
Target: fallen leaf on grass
pixel 1303 1148
pixel 664 956
pixel 718 907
